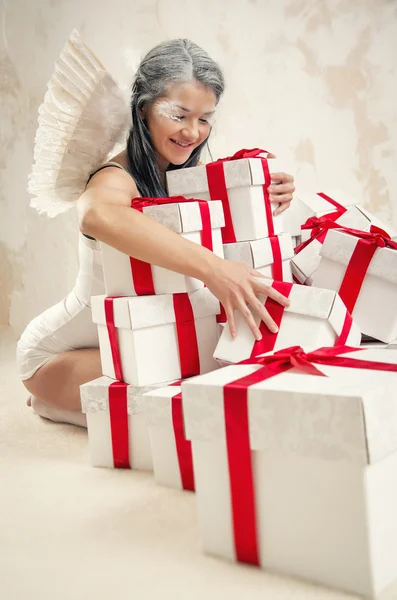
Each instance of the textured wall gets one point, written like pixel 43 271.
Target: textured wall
pixel 313 81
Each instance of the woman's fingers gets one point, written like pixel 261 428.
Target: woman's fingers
pixel 259 308
pixel 249 318
pixel 281 208
pixel 230 320
pixel 281 188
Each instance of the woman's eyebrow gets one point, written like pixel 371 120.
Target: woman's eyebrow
pixel 211 112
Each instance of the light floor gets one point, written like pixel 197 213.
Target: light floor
pixel 70 532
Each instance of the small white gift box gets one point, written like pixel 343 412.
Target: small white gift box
pixel 261 255
pixel 117 431
pixel 171 451
pixel 298 473
pixel 241 182
pixel 314 205
pixel 368 287
pixel 122 273
pixel 146 340
pixel 306 260
pixel 315 317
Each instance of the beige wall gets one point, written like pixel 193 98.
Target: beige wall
pixel 313 81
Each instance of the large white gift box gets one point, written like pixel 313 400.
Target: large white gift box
pixel 171 451
pixel 268 256
pixel 241 184
pixel 315 317
pixel 117 431
pixel 307 258
pixel 318 204
pixel 365 275
pixel 146 340
pixel 123 274
pixel 298 473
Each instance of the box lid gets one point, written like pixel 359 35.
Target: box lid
pixel 158 404
pixel 339 246
pixel 137 312
pixel 349 415
pixel 183 217
pixel 238 173
pixel 319 205
pixel 95 395
pixel 258 253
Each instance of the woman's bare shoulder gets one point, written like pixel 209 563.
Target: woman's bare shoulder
pixel 115 178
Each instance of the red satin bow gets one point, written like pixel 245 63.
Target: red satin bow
pixel 319 227
pixel 296 357
pixel 254 153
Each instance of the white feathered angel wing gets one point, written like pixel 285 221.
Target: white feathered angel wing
pixel 83 116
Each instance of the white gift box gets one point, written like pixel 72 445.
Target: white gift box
pixel 375 309
pixel 324 464
pixel 183 218
pixel 172 464
pixel 313 205
pixel 95 404
pixel 258 254
pixel 306 261
pixel 244 180
pixel 315 317
pixel 148 338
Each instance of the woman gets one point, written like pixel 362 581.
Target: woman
pixel 174 96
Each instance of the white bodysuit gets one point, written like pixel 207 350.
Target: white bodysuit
pixel 67 325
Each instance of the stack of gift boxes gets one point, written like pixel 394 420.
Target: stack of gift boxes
pixel 290 441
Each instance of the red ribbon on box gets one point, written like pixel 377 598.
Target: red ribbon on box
pixel 142 271
pixel 367 245
pixel 276 311
pixel 118 412
pixel 319 227
pixel 218 190
pixel 237 430
pixel 339 207
pixel 183 446
pixel 186 333
pixel 112 333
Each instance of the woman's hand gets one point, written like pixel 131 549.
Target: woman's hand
pixel 236 286
pixel 281 192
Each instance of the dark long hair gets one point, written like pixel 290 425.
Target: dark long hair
pixel 174 61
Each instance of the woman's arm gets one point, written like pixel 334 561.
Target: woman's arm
pixel 105 214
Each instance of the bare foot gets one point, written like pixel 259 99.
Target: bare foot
pixel 29 401
pixel 58 415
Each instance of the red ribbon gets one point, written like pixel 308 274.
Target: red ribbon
pixel 277 266
pixel 368 243
pixel 183 446
pixel 276 311
pixel 334 203
pixel 118 412
pixel 186 334
pixel 218 190
pixel 112 333
pixel 142 271
pixel 346 328
pixel 237 430
pixel 319 227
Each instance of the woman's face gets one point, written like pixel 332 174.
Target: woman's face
pixel 180 121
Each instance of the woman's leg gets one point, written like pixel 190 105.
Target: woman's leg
pixel 55 386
